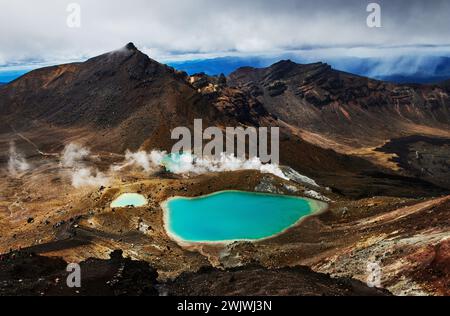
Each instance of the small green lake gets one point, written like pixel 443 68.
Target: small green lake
pixel 129 199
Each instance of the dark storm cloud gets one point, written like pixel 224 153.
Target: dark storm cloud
pixel 37 29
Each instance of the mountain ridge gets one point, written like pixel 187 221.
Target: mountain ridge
pixel 323 100
pixel 397 70
pixel 104 93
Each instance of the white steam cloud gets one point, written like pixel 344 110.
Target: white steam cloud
pixel 186 163
pixel 88 177
pixel 17 163
pixel 74 157
pixel 147 161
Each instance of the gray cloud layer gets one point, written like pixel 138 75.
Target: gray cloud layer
pixel 36 30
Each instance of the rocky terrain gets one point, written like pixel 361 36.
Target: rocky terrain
pixel 378 152
pixel 26 274
pixel 344 107
pixel 259 281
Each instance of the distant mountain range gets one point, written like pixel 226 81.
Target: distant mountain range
pixel 397 70
pixel 404 69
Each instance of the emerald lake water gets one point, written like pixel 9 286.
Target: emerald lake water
pixel 234 215
pixel 129 199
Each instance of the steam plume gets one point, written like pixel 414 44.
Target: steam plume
pixel 74 157
pixel 73 154
pixel 187 163
pixel 88 177
pixel 17 162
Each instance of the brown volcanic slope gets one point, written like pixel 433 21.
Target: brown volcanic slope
pixel 356 115
pixel 125 100
pixel 123 95
pixel 343 107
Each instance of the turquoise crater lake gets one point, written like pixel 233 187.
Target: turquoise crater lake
pixel 234 215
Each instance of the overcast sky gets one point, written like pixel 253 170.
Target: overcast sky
pixel 182 29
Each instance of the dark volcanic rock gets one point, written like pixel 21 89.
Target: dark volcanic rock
pixel 27 274
pixel 23 273
pixel 131 46
pixel 277 88
pixel 422 157
pixel 259 281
